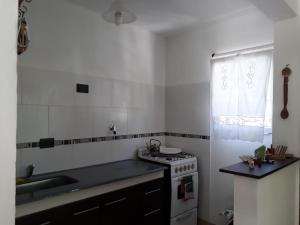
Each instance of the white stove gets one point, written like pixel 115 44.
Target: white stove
pixel 182 166
pixel 165 158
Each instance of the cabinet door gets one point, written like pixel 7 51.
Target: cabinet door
pixel 33 220
pixel 86 212
pixel 55 216
pixel 117 208
pixel 153 204
pixel 153 217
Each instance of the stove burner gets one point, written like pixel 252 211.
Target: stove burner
pixel 167 157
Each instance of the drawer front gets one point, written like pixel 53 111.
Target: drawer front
pixel 55 216
pixel 187 218
pixel 154 217
pixel 153 195
pixel 86 212
pixel 118 208
pixel 153 199
pixel 33 220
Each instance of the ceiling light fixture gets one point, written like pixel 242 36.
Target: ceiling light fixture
pixel 118 14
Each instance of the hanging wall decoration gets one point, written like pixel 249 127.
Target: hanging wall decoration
pixel 286 72
pixel 23 40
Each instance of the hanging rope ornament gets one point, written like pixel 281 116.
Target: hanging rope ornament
pixel 23 39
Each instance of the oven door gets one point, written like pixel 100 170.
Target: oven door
pixel 179 204
pixel 187 218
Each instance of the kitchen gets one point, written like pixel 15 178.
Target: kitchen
pixel 91 95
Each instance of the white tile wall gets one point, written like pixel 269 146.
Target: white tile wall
pixel 44 87
pixel 32 123
pixel 104 117
pixel 47 160
pixel 138 121
pixel 188 108
pixel 61 120
pixel 139 98
pixel 100 91
pixel 83 122
pixel 121 93
pixel 49 106
pixel 92 154
pixel 123 149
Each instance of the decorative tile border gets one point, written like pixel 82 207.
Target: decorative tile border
pixel 197 136
pixel 111 138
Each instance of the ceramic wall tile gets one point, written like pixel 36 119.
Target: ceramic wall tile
pixel 104 117
pixel 138 95
pixel 60 112
pixel 188 108
pixel 92 154
pixel 138 121
pixel 156 120
pixel 159 98
pixel 61 120
pixel 32 123
pixel 100 91
pixel 48 160
pixel 45 87
pixel 121 93
pixel 123 149
pixel 70 122
pixel 83 124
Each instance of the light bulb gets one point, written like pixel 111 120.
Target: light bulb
pixel 118 18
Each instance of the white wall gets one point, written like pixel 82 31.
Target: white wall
pixel 8 100
pixel 272 200
pixel 287 51
pixel 79 41
pixel 188 100
pixel 124 67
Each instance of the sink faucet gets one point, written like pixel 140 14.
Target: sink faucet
pixel 29 171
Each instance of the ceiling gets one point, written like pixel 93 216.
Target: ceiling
pixel 168 16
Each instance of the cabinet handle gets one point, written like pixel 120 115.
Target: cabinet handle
pixel 46 223
pixel 184 217
pixel 85 211
pixel 153 191
pixel 114 202
pixel 152 212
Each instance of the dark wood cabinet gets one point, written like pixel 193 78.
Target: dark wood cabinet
pixel 55 216
pixel 85 212
pixel 141 204
pixel 119 207
pixel 153 203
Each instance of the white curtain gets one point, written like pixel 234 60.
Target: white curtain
pixel 240 89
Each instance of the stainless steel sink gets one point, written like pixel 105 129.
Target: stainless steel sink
pixel 33 185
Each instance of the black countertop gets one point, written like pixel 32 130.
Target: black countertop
pixel 88 177
pixel 242 169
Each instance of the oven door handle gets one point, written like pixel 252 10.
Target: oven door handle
pixel 184 217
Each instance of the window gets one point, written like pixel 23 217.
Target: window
pixel 242 96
